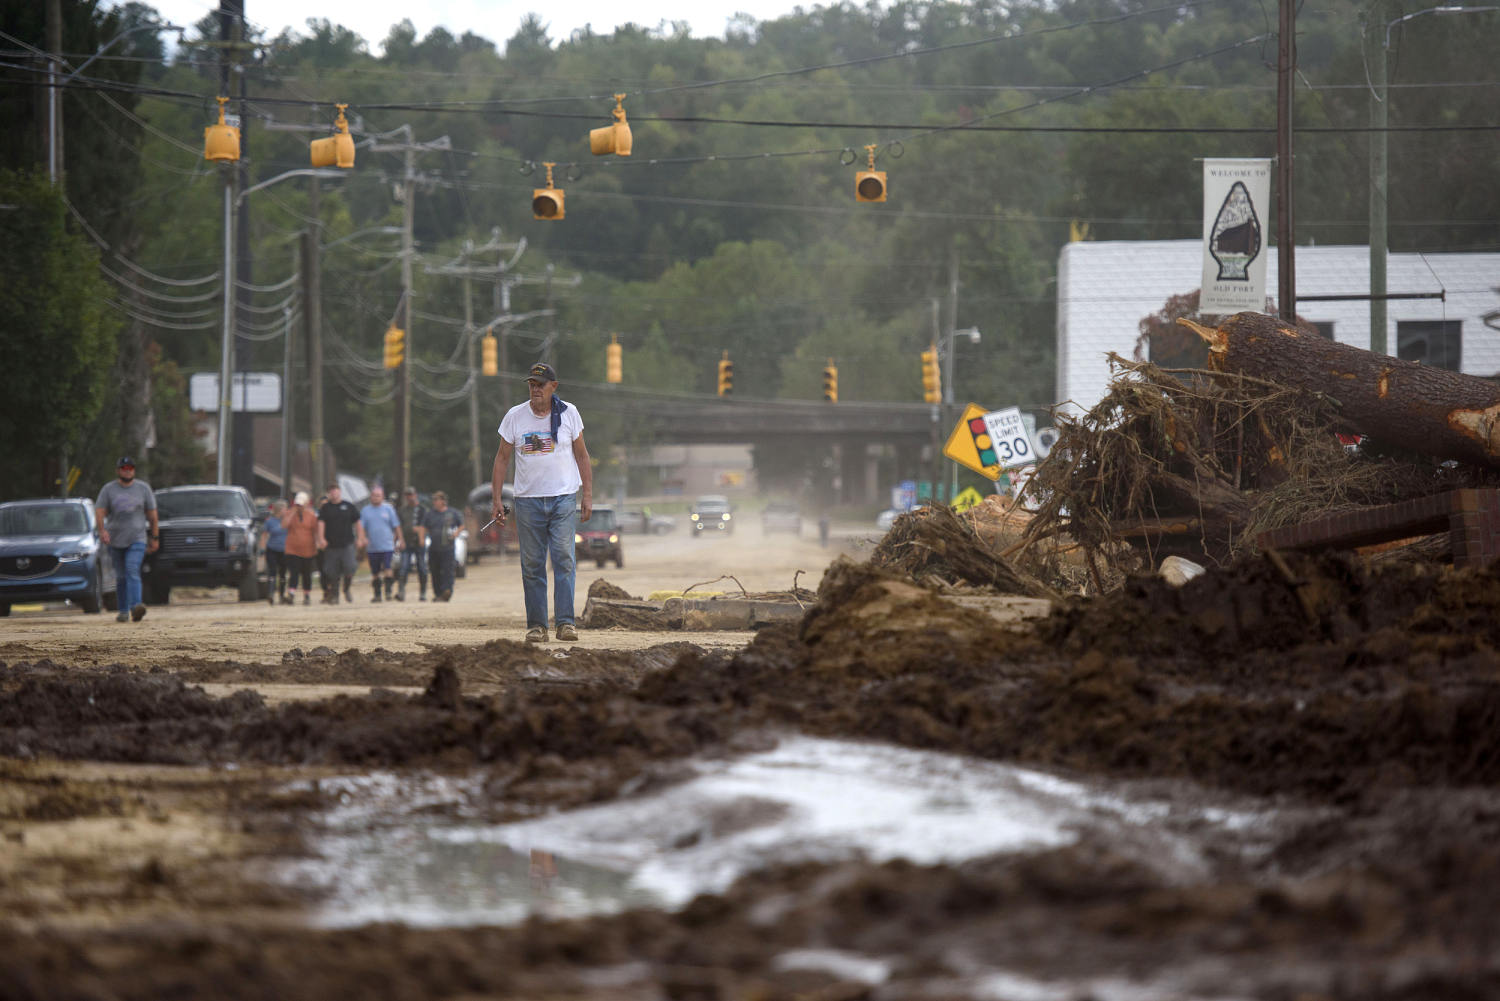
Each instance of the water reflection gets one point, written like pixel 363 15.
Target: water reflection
pixel 416 876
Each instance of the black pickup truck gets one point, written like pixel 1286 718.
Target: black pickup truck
pixel 207 540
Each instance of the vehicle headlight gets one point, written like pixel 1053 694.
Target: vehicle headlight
pixel 234 538
pixel 614 538
pixel 725 515
pixel 577 540
pixel 693 516
pixel 76 556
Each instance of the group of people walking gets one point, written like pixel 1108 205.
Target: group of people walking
pixel 553 489
pixel 298 539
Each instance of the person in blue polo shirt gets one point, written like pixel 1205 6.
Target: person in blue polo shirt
pixel 382 527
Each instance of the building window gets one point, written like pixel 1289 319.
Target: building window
pixel 1431 342
pixel 1325 327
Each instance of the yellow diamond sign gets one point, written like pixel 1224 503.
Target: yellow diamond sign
pixel 967 497
pixel 962 447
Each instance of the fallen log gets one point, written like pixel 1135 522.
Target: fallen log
pixel 1405 404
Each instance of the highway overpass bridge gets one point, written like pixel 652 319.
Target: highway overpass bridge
pixel 872 444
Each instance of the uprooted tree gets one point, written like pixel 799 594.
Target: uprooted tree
pixel 1401 403
pixel 1200 461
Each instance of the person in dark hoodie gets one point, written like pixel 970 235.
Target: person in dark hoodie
pixel 545 434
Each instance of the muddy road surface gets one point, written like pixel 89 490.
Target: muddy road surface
pixel 1259 786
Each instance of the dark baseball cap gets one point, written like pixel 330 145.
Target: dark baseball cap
pixel 541 372
pixel 125 460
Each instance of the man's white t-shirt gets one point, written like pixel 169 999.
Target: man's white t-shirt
pixel 544 468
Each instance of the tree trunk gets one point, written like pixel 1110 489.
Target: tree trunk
pixel 1401 403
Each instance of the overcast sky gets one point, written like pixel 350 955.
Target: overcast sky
pixel 493 19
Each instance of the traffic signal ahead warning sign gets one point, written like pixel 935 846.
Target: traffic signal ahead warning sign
pixel 990 441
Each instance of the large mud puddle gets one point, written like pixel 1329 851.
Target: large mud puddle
pixel 413 849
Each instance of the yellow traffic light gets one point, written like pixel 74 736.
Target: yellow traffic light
pixel 547 203
pixel 395 346
pixel 831 382
pixel 612 138
pixel 614 370
pixel 726 376
pixel 221 141
pixel 869 185
pixel 490 355
pixel 932 379
pixel 338 149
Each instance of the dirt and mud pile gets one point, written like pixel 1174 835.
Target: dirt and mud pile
pixel 1243 679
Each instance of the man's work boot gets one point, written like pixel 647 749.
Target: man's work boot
pixel 567 632
pixel 537 635
pixel 375 584
pixel 348 591
pixel 389 582
pixel 138 613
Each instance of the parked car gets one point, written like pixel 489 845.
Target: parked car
pixel 781 516
pixel 639 520
pixel 50 550
pixel 207 540
pixel 598 539
pixel 712 513
pixel 885 519
pixel 477 511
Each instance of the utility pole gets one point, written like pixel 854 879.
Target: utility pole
pixel 1286 236
pixel 286 403
pixel 1375 61
pixel 937 408
pixel 409 148
pixel 312 313
pixel 403 378
pixel 54 92
pixel 242 438
pixel 467 270
pixel 228 31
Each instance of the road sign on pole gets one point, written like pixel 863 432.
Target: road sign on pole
pixel 990 441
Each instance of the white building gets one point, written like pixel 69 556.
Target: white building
pixel 1104 290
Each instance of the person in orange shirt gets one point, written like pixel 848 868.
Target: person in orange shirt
pixel 301 524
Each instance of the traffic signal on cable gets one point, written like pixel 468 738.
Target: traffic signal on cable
pixel 726 375
pixel 932 379
pixel 221 141
pixel 869 185
pixel 395 346
pixel 613 367
pixel 547 203
pixel 489 347
pixel 612 138
pixel 830 382
pixel 338 149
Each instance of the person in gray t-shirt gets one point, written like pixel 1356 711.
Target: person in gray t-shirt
pixel 126 509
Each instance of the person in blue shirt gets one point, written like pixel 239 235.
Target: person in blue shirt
pixel 382 530
pixel 273 541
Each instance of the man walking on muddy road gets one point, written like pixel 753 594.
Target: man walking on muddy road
pixel 440 526
pixel 126 509
pixel 382 528
pixel 340 536
pixel 552 465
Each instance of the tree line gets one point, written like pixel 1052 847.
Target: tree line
pixel 732 227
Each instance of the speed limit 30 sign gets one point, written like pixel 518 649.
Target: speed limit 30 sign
pixel 989 442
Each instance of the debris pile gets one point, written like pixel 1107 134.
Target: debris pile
pixel 1199 462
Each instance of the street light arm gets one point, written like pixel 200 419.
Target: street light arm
pixel 1432 10
pixel 299 172
pixel 112 41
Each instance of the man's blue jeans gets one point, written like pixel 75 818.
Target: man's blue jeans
pixel 127 562
pixel 546 525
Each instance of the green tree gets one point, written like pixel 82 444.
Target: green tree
pixel 60 336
